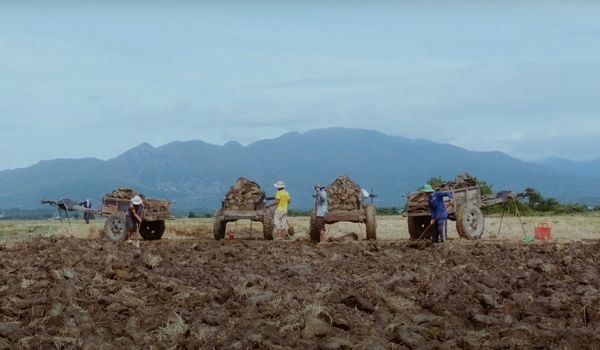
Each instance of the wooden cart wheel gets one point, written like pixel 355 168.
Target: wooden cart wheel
pixel 314 232
pixel 370 222
pixel 114 227
pixel 268 224
pixel 469 221
pixel 219 226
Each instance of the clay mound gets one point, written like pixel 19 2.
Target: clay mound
pixel 123 193
pixel 461 181
pixel 343 194
pixel 151 205
pixel 156 206
pixel 243 195
pixel 417 201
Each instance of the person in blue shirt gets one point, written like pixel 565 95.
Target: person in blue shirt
pixel 439 215
pixel 321 210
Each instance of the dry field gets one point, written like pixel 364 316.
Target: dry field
pixel 72 289
pixel 564 228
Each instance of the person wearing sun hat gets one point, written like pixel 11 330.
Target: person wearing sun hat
pixel 133 218
pixel 282 200
pixel 439 215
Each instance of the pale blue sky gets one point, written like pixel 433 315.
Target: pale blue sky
pixel 95 78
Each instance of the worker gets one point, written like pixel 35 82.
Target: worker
pixel 365 195
pixel 282 200
pixel 321 211
pixel 133 219
pixel 87 216
pixel 437 209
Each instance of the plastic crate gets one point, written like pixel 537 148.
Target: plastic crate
pixel 543 232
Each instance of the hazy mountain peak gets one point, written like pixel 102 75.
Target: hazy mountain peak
pixel 233 144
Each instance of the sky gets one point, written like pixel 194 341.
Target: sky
pixel 96 78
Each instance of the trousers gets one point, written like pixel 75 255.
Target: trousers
pixel 439 233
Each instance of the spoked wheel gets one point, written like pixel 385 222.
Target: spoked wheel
pixel 469 221
pixel 114 228
pixel 314 230
pixel 152 230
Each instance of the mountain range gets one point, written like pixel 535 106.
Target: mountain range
pixel 195 174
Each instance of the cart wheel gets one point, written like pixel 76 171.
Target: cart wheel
pixel 417 226
pixel 152 230
pixel 219 226
pixel 370 222
pixel 114 228
pixel 469 221
pixel 315 233
pixel 268 225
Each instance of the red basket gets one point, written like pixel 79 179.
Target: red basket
pixel 542 232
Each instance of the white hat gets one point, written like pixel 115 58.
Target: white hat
pixel 279 184
pixel 136 200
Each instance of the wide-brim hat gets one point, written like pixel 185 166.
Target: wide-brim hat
pixel 279 184
pixel 136 200
pixel 427 188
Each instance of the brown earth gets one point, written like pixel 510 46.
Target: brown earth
pixel 242 294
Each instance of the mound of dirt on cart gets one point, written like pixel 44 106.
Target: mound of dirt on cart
pixel 93 294
pixel 152 206
pixel 417 201
pixel 124 193
pixel 244 195
pixel 343 194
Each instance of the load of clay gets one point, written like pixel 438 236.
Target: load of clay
pixel 156 206
pixel 244 195
pixel 343 194
pixel 461 181
pixel 150 205
pixel 417 201
pixel 123 193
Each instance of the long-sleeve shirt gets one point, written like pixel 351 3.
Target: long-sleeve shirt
pixel 321 203
pixel 436 205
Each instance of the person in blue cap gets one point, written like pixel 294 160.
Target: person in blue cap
pixel 439 215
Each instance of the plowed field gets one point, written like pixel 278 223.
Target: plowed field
pixel 201 294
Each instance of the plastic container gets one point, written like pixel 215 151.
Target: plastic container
pixel 543 232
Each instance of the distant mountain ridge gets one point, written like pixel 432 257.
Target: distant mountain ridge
pixel 589 168
pixel 195 174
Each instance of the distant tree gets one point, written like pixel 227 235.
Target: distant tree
pixel 533 197
pixel 191 215
pixel 436 181
pixel 386 211
pixel 484 187
pixel 548 205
